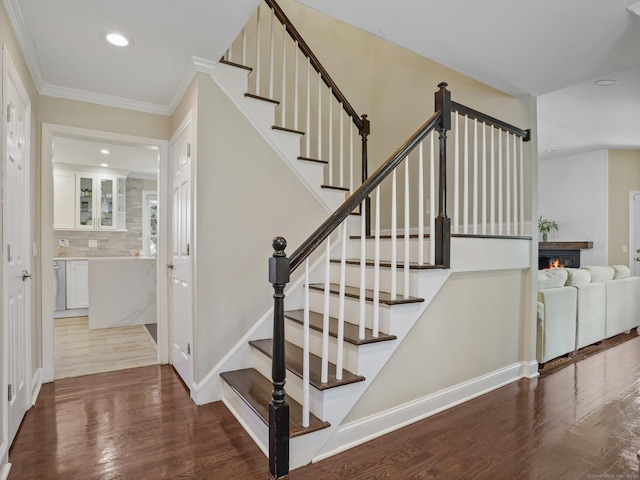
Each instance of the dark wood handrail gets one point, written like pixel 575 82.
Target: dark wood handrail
pixel 481 117
pixel 366 189
pixel 315 63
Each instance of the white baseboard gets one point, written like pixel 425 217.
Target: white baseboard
pixel 4 473
pixel 373 426
pixel 36 385
pixel 530 369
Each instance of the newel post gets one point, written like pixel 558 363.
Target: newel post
pixel 279 273
pixel 364 133
pixel 443 223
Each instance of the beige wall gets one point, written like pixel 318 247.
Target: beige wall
pixel 244 196
pixel 472 328
pixel 624 177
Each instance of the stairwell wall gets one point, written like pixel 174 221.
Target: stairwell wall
pixel 244 196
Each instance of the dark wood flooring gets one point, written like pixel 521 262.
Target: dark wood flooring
pixel 581 422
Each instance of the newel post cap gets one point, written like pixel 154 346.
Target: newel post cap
pixel 279 267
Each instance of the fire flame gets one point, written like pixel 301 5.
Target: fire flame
pixel 556 264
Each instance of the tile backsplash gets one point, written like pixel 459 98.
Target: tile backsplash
pixel 110 244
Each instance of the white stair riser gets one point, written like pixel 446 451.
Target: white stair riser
pixel 294 334
pixel 293 385
pixel 386 249
pixel 351 309
pixel 353 277
pixel 235 79
pixel 251 422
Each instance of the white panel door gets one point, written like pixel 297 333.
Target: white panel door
pixel 635 267
pixel 181 320
pixel 16 210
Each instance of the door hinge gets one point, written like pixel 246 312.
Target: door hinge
pixel 10 392
pixel 188 249
pixel 8 113
pixel 188 348
pixel 188 150
pixel 8 253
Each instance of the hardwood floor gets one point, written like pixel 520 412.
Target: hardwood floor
pixel 581 422
pixel 80 351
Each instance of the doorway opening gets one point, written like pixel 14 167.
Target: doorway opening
pixel 109 312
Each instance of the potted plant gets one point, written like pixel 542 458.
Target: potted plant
pixel 545 226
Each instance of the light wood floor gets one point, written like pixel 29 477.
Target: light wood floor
pixel 80 351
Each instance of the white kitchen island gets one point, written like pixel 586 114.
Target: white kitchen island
pixel 122 291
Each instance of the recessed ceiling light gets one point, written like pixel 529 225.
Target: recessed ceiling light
pixel 104 151
pixel 117 39
pixel 104 164
pixel 605 82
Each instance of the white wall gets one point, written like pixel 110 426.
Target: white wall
pixel 573 192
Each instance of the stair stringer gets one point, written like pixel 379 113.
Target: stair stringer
pixel 233 81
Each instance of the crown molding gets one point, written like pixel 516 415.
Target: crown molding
pixel 101 99
pixel 24 40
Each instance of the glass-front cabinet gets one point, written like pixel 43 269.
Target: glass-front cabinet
pixel 97 201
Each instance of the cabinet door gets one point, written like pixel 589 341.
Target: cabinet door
pixel 85 208
pixel 107 202
pixel 64 199
pixel 121 204
pixel 77 284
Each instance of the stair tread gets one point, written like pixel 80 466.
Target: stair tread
pixel 238 65
pixel 351 331
pixel 284 129
pixel 293 360
pixel 255 391
pixel 308 159
pixel 333 187
pixel 387 264
pixel 264 99
pixel 387 236
pixel 354 292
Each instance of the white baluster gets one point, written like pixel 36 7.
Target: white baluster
pixel 394 240
pixel 350 157
pixel 515 186
pixel 324 371
pixel 407 232
pixel 456 176
pixel 484 178
pixel 493 183
pixel 271 55
pixel 341 145
pixel 420 206
pixel 296 83
pixel 244 46
pixel 476 180
pixel 308 124
pixel 432 199
pixel 363 270
pixel 341 319
pixel 500 183
pixel 465 186
pixel 320 117
pixel 376 269
pixel 258 52
pixel 305 348
pixel 508 186
pixel 520 140
pixel 283 97
pixel 330 124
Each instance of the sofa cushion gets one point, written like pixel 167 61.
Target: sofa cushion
pixel 600 273
pixel 620 271
pixel 552 278
pixel 577 277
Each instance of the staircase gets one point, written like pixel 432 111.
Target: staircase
pixel 361 291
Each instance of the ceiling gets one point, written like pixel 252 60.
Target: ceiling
pixel 549 49
pixel 139 160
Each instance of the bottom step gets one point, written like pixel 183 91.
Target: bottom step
pixel 255 390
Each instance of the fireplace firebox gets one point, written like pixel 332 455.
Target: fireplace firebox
pixel 560 254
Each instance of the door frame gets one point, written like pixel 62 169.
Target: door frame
pixel 632 228
pixel 49 131
pixel 9 70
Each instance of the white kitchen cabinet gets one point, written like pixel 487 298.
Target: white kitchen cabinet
pixel 77 284
pixel 95 200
